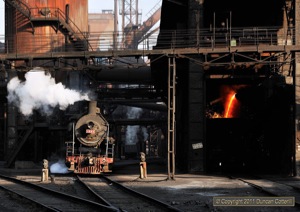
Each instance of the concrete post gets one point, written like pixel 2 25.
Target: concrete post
pixel 143 166
pixel 45 171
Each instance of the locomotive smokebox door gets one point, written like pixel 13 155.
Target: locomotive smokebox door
pixel 92 128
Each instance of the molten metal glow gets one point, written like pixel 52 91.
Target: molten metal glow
pixel 230 106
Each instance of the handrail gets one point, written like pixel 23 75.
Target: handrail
pixel 61 17
pixel 152 17
pixel 33 13
pixel 156 7
pixel 61 13
pixel 102 41
pixel 23 6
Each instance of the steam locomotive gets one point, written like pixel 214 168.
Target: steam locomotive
pixel 93 151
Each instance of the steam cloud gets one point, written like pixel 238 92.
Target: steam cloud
pixel 59 168
pixel 132 131
pixel 131 134
pixel 40 91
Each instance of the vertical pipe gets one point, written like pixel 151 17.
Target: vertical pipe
pixel 16 36
pixel 5 130
pixel 123 20
pixel 107 138
pixel 296 83
pixel 214 30
pixel 198 27
pixel 230 22
pixel 130 12
pixel 67 13
pixel 137 12
pixel 115 44
pixel 73 139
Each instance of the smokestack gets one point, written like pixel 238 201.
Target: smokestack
pixel 93 109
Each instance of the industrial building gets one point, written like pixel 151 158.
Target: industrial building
pixel 220 93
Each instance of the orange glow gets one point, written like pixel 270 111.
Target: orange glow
pixel 226 105
pixel 230 106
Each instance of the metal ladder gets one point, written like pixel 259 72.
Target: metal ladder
pixel 110 150
pixel 171 116
pixel 69 148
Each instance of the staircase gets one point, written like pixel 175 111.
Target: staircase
pixel 22 138
pixel 78 39
pixel 20 6
pixel 153 17
pixel 140 34
pixel 290 13
pixel 57 19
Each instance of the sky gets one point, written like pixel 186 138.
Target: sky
pixel 95 6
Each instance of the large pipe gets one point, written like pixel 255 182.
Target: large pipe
pixel 125 74
pixel 115 24
pixel 216 101
pixel 148 105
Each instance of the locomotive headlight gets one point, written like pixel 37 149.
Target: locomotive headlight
pixel 91 161
pixel 91 125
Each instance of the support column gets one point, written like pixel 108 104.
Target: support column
pixel 297 87
pixel 196 121
pixel 171 116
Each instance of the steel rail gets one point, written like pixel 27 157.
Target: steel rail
pixel 100 207
pixel 31 200
pixel 104 201
pixel 141 195
pixel 255 183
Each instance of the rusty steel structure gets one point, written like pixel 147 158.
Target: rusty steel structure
pixel 50 25
pixel 197 56
pixel 134 31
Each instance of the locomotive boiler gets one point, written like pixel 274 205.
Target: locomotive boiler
pixel 92 150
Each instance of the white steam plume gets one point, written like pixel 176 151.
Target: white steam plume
pixel 145 133
pixel 59 168
pixel 40 91
pixel 131 131
pixel 131 134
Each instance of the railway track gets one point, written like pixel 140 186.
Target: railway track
pixel 47 199
pixel 200 198
pixel 275 188
pixel 122 197
pixel 90 193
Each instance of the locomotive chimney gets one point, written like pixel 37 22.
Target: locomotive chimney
pixel 93 109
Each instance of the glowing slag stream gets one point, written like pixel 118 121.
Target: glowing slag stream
pixel 230 105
